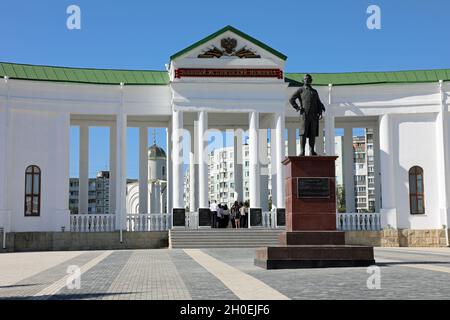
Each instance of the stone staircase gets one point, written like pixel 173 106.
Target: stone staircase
pixel 223 238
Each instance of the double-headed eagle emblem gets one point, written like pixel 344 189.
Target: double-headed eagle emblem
pixel 229 49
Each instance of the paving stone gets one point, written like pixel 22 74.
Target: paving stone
pixel 149 275
pixel 95 282
pixel 397 282
pixel 27 288
pixel 201 284
pixel 410 273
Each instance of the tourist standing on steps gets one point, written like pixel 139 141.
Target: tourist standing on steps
pixel 213 213
pixel 220 217
pixel 241 215
pixel 236 215
pixel 244 214
pixel 226 216
pixel 233 215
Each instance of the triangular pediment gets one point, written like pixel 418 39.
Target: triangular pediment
pixel 228 43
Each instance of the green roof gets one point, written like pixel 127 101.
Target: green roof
pixel 236 31
pixel 359 78
pixel 147 77
pixel 83 75
pixel 156 152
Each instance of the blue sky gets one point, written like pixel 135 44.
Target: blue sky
pixel 317 36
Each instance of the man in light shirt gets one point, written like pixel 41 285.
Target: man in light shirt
pixel 213 210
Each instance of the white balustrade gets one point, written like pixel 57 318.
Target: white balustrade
pixel 149 222
pixel 268 219
pixel 191 220
pixel 358 221
pixel 107 222
pixel 92 222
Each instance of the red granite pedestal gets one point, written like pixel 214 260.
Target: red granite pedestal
pixel 311 239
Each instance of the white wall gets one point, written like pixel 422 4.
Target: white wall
pixel 40 138
pixel 447 168
pixel 414 138
pixel 3 162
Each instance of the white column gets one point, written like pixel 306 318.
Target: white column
pixel 6 165
pixel 320 147
pixel 196 183
pixel 162 199
pixel 157 198
pixel 153 197
pixel 112 168
pixel 280 156
pixel 143 170
pixel 83 200
pixel 292 141
pixel 192 178
pixel 169 187
pixel 273 162
pixel 329 133
pixel 347 164
pixel 203 191
pixel 329 125
pixel 61 168
pixel 5 136
pixel 121 169
pixel 377 175
pixel 177 160
pixel 264 169
pixel 254 172
pixel 388 196
pixel 193 169
pixel 237 165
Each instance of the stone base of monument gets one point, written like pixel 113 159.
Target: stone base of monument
pixel 313 249
pixel 311 239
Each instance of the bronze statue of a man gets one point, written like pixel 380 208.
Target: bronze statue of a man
pixel 311 109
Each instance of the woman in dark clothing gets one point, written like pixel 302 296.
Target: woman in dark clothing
pixel 236 215
pixel 244 215
pixel 226 216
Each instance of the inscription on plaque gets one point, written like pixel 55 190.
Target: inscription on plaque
pixel 204 217
pixel 256 217
pixel 313 187
pixel 179 217
pixel 281 217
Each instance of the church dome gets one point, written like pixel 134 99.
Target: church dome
pixel 155 152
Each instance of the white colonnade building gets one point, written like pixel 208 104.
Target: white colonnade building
pixel 226 81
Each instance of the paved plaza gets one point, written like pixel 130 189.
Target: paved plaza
pixel 219 274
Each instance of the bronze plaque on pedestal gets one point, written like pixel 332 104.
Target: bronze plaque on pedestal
pixel 313 188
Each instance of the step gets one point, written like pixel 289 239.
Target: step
pixel 226 238
pixel 184 246
pixel 224 241
pixel 237 238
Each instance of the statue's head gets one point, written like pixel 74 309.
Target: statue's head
pixel 307 79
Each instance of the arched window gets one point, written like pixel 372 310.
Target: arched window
pixel 32 191
pixel 416 191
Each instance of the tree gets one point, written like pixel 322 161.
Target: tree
pixel 341 199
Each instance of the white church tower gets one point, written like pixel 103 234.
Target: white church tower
pixel 157 183
pixel 157 178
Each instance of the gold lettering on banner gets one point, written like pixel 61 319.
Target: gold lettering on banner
pixel 229 73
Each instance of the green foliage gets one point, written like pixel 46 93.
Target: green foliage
pixel 341 199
